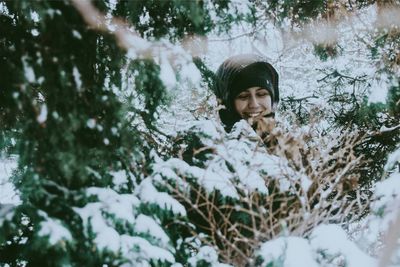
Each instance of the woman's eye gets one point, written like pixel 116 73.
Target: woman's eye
pixel 262 94
pixel 242 97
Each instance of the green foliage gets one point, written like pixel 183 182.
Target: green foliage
pixel 393 101
pixel 8 141
pixel 207 75
pixel 324 52
pixel 148 87
pixel 365 115
pixel 349 108
pixel 176 19
pixel 70 104
pixel 299 11
pixel 384 48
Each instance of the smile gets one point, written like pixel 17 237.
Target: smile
pixel 253 114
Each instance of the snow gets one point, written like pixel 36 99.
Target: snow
pixel 93 172
pixel 379 91
pixel 134 42
pixel 167 74
pixel 76 34
pixel 165 171
pixel 42 117
pixel 321 33
pixel 144 18
pixel 106 236
pixel 219 180
pixel 271 44
pixel 34 32
pixel 384 208
pixel 114 131
pixel 55 231
pixel 386 129
pixel 394 158
pixel 34 16
pixel 207 254
pixel 28 71
pixel 146 224
pixel 332 240
pixel 77 78
pixel 91 123
pixel 242 6
pixel 210 179
pixel 240 161
pixel 249 159
pixel 120 178
pixel 190 72
pixel 211 129
pixel 53 12
pixel 387 191
pixel 288 252
pixel 3 9
pixel 132 247
pixel 8 194
pixel 327 243
pixel 120 205
pixel 139 249
pixel 149 194
pixel 6 213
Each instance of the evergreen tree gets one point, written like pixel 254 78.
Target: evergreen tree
pixel 80 155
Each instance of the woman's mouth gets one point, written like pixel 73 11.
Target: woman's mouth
pixel 252 114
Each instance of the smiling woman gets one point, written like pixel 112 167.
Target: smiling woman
pixel 247 87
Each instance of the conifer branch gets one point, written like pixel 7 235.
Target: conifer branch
pixel 126 38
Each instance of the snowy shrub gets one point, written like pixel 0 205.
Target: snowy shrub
pixel 239 192
pixel 117 226
pixel 330 245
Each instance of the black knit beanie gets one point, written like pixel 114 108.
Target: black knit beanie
pixel 254 75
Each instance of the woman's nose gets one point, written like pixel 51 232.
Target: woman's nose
pixel 253 102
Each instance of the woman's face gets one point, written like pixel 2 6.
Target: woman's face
pixel 253 102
